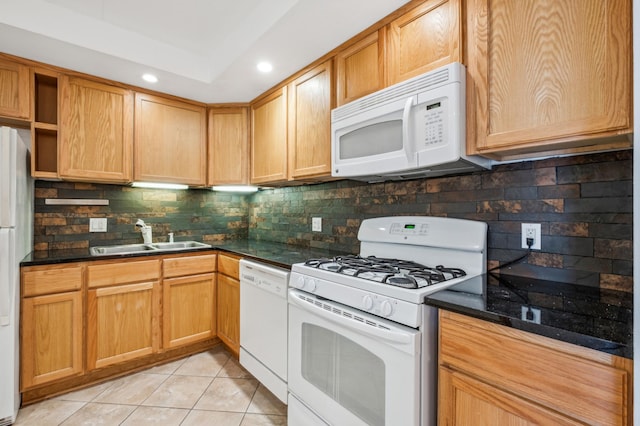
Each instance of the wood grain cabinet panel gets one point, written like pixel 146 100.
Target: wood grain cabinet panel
pixel 229 312
pixel 228 302
pixel 51 324
pixel 123 323
pixel 360 68
pixel 189 299
pixel 170 141
pixel 426 37
pixel 471 401
pixel 511 374
pixel 14 90
pixel 52 341
pixel 51 280
pixel 116 273
pixel 548 76
pixel 228 146
pixel 269 138
pixel 95 132
pixel 229 265
pixel 189 309
pixel 310 103
pixel 188 265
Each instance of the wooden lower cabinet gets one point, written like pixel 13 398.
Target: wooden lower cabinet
pixel 188 300
pixel 51 324
pixel 494 375
pixel 51 338
pixel 228 303
pixel 123 323
pixel 86 322
pixel 471 402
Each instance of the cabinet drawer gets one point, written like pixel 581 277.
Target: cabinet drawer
pixel 191 265
pixel 51 280
pixel 123 272
pixel 229 266
pixel 581 382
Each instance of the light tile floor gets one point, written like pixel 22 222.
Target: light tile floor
pixel 209 388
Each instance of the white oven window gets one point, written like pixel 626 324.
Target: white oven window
pixel 345 371
pixel 374 139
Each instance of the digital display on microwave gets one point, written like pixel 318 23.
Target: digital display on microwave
pixel 432 106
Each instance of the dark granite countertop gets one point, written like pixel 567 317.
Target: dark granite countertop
pixel 283 255
pixel 278 254
pixel 587 316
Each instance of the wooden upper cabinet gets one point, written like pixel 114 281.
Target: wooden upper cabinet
pixel 95 131
pixel 548 77
pixel 426 37
pixel 269 138
pixel 310 103
pixel 360 68
pixel 228 146
pixel 170 141
pixel 14 90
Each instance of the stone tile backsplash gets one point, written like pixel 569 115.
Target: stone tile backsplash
pixel 584 204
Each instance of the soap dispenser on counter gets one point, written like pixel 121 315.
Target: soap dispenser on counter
pixel 145 230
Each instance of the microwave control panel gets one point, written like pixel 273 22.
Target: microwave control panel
pixel 433 116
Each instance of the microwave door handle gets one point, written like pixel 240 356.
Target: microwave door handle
pixel 408 143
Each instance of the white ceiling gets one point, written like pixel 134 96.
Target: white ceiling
pixel 206 50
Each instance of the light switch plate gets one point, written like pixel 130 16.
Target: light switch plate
pixel 98 224
pixel 316 224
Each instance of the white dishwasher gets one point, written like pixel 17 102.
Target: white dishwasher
pixel 263 324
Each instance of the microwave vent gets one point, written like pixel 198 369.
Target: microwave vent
pixel 451 73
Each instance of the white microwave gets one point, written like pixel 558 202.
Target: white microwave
pixel 412 129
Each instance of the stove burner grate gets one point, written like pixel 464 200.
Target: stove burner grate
pixel 396 272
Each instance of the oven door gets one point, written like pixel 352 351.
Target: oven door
pixel 350 367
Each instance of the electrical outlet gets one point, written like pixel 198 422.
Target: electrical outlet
pixel 98 224
pixel 531 230
pixel 316 224
pixel 530 314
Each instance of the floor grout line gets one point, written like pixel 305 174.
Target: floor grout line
pixel 233 373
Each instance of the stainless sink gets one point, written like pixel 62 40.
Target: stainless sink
pixel 138 248
pixel 180 245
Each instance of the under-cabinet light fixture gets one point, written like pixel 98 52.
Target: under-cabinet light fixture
pixel 156 185
pixel 149 78
pixel 235 188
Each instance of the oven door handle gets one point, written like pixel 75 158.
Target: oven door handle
pixel 395 336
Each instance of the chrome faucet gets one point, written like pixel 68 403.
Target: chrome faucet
pixel 145 230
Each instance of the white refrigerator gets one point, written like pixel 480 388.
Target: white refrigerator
pixel 16 241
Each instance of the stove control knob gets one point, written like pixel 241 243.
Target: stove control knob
pixel 311 285
pixel 386 307
pixel 367 302
pixel 299 283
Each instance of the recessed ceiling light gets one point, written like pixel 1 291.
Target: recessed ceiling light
pixel 265 66
pixel 150 78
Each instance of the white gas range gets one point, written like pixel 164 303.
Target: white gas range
pixel 362 343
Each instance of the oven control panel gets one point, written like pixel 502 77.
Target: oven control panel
pixel 380 305
pixel 421 229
